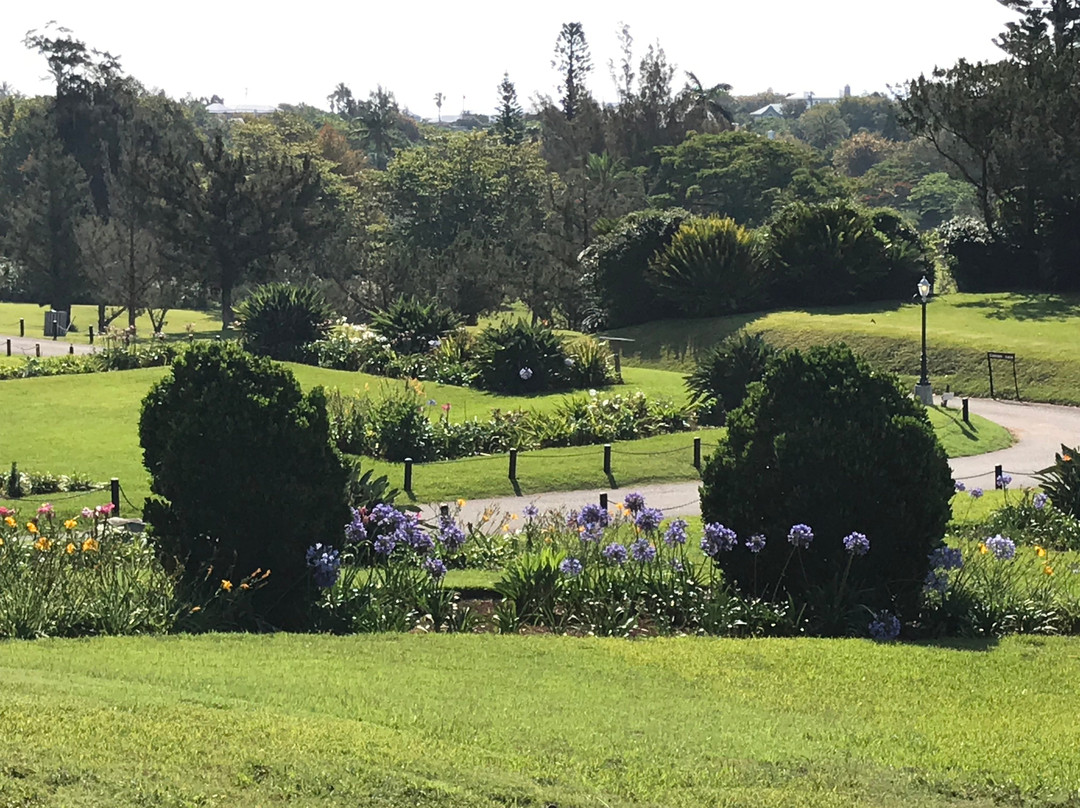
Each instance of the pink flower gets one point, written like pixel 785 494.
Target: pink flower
pixel 104 510
pixel 87 513
pixel 45 510
pixel 446 407
pixel 4 512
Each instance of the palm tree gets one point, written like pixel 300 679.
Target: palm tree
pixel 378 119
pixel 703 106
pixel 438 102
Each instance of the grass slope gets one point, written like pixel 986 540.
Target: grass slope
pixel 1042 330
pixel 531 721
pixel 89 424
pixel 203 323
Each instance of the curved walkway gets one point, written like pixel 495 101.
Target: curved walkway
pixel 25 346
pixel 1039 429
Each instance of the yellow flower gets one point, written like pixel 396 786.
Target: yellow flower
pixel 1048 570
pixel 70 548
pixel 226 585
pixel 10 521
pixel 982 548
pixel 513 516
pixel 506 528
pixel 1 542
pixel 43 545
pixel 90 546
pixel 196 609
pixel 461 503
pixel 1066 458
pixel 1040 552
pixel 31 527
pixel 244 586
pixel 70 524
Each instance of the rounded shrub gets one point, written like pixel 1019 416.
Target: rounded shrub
pixel 978 261
pixel 823 440
pixel 589 363
pixel 517 357
pixel 412 326
pixel 243 474
pixel 280 320
pixel 723 373
pixel 709 268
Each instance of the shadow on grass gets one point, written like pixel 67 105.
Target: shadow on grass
pixel 967 644
pixel 967 430
pixel 1026 307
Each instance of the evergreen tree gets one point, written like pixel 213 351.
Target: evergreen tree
pixel 510 122
pixel 574 62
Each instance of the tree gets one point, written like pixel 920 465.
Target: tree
pixel 861 152
pixel 439 98
pixel 510 122
pixel 574 62
pixel 822 127
pixel 706 109
pixel 379 121
pixel 341 101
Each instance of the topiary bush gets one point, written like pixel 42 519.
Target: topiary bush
pixel 280 320
pixel 517 357
pixel 826 441
pixel 724 372
pixel 411 326
pixel 243 474
pixel 710 268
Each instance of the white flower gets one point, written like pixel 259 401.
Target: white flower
pixel 593 393
pixel 569 361
pixel 525 374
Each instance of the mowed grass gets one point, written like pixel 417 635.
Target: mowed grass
pixel 1042 330
pixel 89 424
pixel 472 720
pixel 203 323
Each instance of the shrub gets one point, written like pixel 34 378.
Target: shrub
pixel 709 268
pixel 824 440
pixel 411 326
pixel 1061 481
pixel 278 320
pixel 517 357
pixel 401 428
pixel 723 373
pixel 353 348
pixel 589 363
pixel 907 255
pixel 617 268
pixel 243 473
pixel 978 261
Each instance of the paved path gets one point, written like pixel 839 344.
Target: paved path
pixel 25 346
pixel 1040 429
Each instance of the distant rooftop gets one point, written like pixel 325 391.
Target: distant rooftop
pixel 241 109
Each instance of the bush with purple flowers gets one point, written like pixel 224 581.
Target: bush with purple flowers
pixel 885 627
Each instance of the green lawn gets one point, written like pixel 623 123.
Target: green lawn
pixel 1042 330
pixel 204 323
pixel 471 720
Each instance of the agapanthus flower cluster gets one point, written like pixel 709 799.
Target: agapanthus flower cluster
pixel 975 493
pixel 592 514
pixel 411 532
pixel 959 486
pixel 435 567
pixel 525 374
pixel 634 502
pixel 386 516
pixel 384 545
pixel 643 551
pixel 800 536
pixel 756 543
pixel 356 530
pixel 885 627
pixel 649 519
pixel 946 558
pixel 572 567
pixel 936 581
pixel 1004 480
pixel 1002 547
pixel 530 512
pixel 716 539
pixel 614 553
pixel 325 562
pixel 857 544
pixel 1039 501
pixel 592 533
pixel 675 533
pixel 451 535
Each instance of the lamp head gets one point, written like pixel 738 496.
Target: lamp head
pixel 924 288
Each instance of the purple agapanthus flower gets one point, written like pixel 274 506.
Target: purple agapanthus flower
pixel 642 550
pixel 975 493
pixel 356 530
pixel 675 533
pixel 571 567
pixel 593 514
pixel 592 534
pixel 1004 480
pixel 387 516
pixel 451 536
pixel 384 545
pixel 634 502
pixel 649 519
pixel 412 533
pixel 857 544
pixel 936 581
pixel 946 558
pixel 885 627
pixel 530 512
pixel 756 543
pixel 1002 547
pixel 800 536
pixel 435 567
pixel 959 486
pixel 325 562
pixel 716 539
pixel 615 553
pixel 1039 501
pixel 676 565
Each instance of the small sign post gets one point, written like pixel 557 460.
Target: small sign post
pixel 1008 357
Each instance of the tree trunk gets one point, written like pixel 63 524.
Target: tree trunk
pixel 227 315
pixel 101 324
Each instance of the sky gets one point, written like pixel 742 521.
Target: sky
pixel 270 53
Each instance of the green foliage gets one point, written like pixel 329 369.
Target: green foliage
pixel 517 357
pixel 1024 521
pixel 834 253
pixel 20 484
pixel 823 440
pixel 978 261
pixel 352 347
pixel 1061 481
pixel 411 326
pixel 227 438
pixel 591 363
pixel 725 371
pixel 280 320
pixel 617 268
pixel 400 428
pixel 710 267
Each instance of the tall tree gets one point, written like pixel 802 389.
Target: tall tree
pixel 574 62
pixel 341 101
pixel 379 120
pixel 510 121
pixel 439 98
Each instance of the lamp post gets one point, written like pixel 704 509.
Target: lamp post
pixel 923 389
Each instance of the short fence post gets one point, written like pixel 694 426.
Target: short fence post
pixel 114 490
pixel 603 501
pixel 997 477
pixel 9 347
pixel 697 453
pixel 618 363
pixel 37 349
pixel 444 510
pixel 22 327
pixel 71 350
pixel 967 417
pixel 607 458
pixel 408 474
pixel 91 333
pixel 513 464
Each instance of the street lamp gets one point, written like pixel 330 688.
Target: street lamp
pixel 923 389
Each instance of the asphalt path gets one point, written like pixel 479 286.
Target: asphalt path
pixel 28 346
pixel 1039 429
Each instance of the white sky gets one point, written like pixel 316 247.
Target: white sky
pixel 272 52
